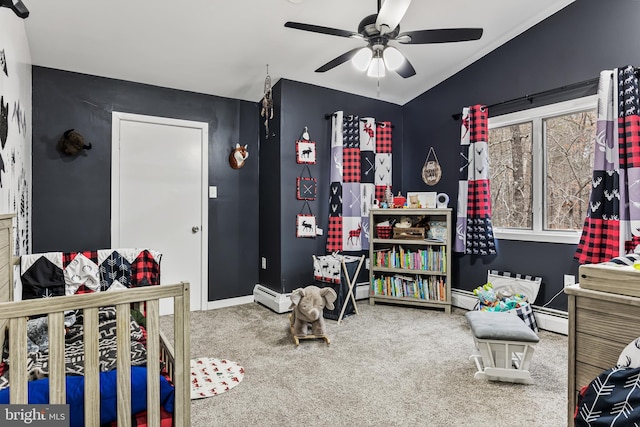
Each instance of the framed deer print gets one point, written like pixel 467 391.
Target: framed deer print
pixel 306 152
pixel 306 223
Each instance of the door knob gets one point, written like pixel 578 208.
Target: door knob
pixel 195 229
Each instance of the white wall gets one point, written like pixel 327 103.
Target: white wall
pixel 15 93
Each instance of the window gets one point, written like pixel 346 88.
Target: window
pixel 541 166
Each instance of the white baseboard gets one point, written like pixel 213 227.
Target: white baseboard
pixel 549 320
pixel 229 302
pixel 362 291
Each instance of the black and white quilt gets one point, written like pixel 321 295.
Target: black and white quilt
pixel 52 274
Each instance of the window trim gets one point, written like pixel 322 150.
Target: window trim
pixel 536 116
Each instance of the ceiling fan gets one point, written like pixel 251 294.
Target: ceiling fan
pixel 380 29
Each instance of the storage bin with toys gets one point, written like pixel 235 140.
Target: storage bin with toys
pixel 508 292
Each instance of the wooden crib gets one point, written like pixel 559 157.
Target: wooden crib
pixel 175 355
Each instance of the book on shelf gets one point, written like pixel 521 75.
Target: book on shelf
pixel 428 288
pixel 428 259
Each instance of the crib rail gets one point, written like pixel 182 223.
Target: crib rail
pixel 177 356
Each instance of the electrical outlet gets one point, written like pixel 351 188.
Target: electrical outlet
pixel 569 280
pixel 264 263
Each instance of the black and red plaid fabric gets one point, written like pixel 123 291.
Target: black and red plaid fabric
pixel 351 165
pixel 354 174
pixel 478 119
pixel 479 199
pixel 380 192
pixel 612 209
pixel 383 137
pixel 334 234
pixel 600 241
pixel 630 245
pixel 67 257
pixel 629 138
pixel 145 270
pixel 84 290
pixel 474 235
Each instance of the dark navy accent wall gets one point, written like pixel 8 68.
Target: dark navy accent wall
pixel 571 46
pixel 270 194
pixel 72 196
pixel 300 105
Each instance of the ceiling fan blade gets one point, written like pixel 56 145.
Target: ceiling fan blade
pixel 339 60
pixel 444 35
pixel 390 15
pixel 406 69
pixel 320 29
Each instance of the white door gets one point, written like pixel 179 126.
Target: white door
pixel 159 198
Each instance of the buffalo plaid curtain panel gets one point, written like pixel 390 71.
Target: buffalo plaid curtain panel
pixel 474 232
pixel 612 226
pixel 360 172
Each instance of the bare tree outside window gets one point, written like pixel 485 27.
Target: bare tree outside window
pixel 541 162
pixel 511 176
pixel 569 164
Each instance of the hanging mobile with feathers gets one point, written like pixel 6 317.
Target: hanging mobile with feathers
pixel 267 103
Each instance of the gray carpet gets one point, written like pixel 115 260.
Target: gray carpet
pixel 387 366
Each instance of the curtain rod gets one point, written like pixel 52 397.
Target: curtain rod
pixel 529 98
pixel 328 116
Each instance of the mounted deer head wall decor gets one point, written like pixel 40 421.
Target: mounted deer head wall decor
pixel 238 156
pixel 72 143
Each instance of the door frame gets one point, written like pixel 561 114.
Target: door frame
pixel 118 117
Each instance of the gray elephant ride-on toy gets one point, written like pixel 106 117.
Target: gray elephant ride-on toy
pixel 308 313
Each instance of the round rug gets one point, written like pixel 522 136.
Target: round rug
pixel 211 377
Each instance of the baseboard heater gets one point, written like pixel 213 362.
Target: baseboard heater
pixel 269 298
pixel 280 302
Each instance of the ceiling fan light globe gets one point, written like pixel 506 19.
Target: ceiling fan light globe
pixel 376 68
pixel 393 59
pixel 362 59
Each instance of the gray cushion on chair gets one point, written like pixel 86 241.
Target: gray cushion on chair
pixel 490 325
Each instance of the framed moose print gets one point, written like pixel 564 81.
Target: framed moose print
pixel 305 225
pixel 306 152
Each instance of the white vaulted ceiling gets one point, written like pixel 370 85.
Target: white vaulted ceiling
pixel 223 47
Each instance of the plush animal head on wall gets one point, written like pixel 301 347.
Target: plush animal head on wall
pixel 238 156
pixel 4 121
pixel 3 62
pixel 72 143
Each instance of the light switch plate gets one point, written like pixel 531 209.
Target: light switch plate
pixel 213 192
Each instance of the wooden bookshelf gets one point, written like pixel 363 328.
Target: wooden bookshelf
pixel 411 271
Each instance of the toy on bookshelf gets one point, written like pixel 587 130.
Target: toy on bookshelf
pixel 437 230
